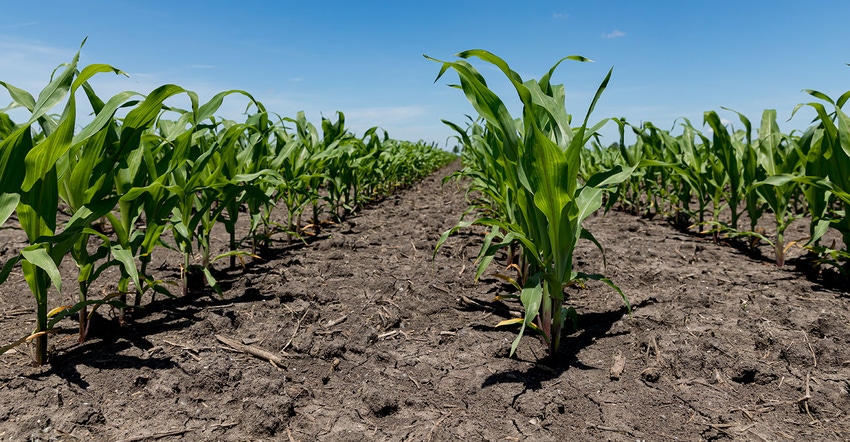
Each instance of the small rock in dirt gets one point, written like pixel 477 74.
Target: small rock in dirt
pixel 261 387
pixel 223 320
pixel 323 297
pixel 166 385
pixel 336 242
pixel 502 351
pixel 86 414
pixel 361 340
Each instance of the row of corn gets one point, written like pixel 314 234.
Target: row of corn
pixel 143 167
pixel 743 183
pixel 535 179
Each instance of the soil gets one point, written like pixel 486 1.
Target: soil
pixel 376 341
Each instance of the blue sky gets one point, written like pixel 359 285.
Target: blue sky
pixel 671 59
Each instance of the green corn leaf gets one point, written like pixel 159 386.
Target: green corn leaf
pixel 13 150
pixel 44 155
pixel 104 116
pixel 531 297
pixel 211 107
pixel 125 257
pixel 211 280
pixel 20 96
pixel 8 266
pixel 8 204
pixel 38 256
pixel 55 92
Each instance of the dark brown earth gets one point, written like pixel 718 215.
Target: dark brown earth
pixel 376 343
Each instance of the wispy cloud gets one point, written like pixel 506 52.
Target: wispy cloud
pixel 399 121
pixel 202 66
pixel 560 16
pixel 18 25
pixel 28 48
pixel 388 114
pixel 616 33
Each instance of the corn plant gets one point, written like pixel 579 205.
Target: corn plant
pixel 260 154
pixel 88 179
pixel 750 174
pixel 308 151
pixel 32 169
pixel 366 173
pixel 540 155
pixel 827 145
pixel 296 170
pixel 725 151
pixel 781 160
pixel 249 181
pixel 340 147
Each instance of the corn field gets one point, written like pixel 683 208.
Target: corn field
pixel 143 168
pixel 172 274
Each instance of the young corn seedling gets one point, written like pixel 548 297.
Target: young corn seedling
pixel 296 169
pixel 750 174
pixel 725 151
pixel 541 154
pixel 259 154
pixel 781 159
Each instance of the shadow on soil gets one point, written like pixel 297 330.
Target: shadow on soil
pixel 108 340
pixel 551 367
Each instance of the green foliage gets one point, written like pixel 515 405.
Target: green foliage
pixel 787 175
pixel 162 169
pixel 527 169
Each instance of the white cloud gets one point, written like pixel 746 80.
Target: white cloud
pixel 388 113
pixel 616 33
pixel 560 15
